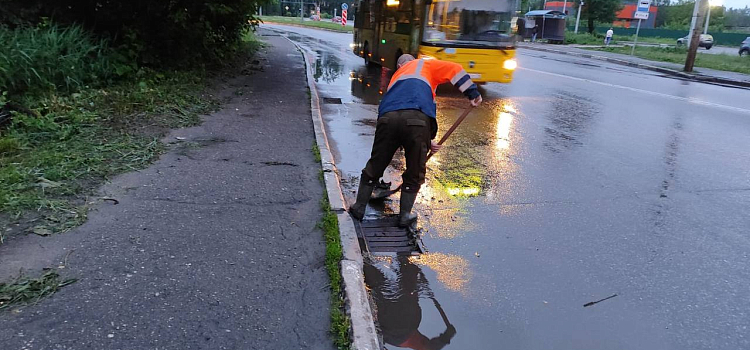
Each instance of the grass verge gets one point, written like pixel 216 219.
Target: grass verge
pixel 63 144
pixel 329 224
pixel 677 55
pixel 584 38
pixel 315 24
pixel 51 159
pixel 339 321
pixel 316 152
pixel 25 290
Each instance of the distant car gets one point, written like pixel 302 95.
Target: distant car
pixel 706 40
pixel 745 47
pixel 315 18
pixel 336 19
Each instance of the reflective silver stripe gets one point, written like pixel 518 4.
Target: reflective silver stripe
pixel 410 76
pixel 465 85
pixel 420 64
pixel 458 76
pixel 416 75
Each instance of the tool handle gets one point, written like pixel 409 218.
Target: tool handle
pixel 440 310
pixel 452 128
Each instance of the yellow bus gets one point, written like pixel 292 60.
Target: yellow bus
pixel 478 34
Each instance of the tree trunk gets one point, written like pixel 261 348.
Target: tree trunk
pixel 591 25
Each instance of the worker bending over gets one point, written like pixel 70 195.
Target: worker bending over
pixel 406 118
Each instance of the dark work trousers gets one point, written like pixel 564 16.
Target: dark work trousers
pixel 407 128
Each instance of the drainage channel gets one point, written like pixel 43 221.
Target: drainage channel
pixel 382 236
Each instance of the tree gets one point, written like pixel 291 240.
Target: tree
pixel 600 11
pixel 153 32
pixel 529 5
pixel 737 18
pixel 675 15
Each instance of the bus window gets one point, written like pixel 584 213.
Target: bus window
pixel 398 17
pixel 479 21
pixel 364 18
pixel 357 20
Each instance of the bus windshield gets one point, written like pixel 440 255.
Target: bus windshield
pixel 469 23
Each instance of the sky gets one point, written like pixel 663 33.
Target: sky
pixel 735 3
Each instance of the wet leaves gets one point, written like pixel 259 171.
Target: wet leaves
pixel 24 290
pixel 41 230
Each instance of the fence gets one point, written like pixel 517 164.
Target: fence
pixel 728 39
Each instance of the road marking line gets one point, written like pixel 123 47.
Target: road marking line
pixel 685 99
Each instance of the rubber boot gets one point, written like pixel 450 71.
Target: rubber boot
pixel 405 216
pixel 363 197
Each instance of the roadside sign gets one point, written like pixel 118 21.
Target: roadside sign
pixel 344 6
pixel 641 11
pixel 343 17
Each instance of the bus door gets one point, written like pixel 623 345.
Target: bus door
pixel 378 8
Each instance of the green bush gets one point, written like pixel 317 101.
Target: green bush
pixel 326 15
pixel 156 33
pixel 584 39
pixel 49 58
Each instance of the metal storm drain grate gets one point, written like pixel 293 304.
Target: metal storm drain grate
pixel 331 100
pixel 384 237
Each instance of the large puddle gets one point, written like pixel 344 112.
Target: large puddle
pixel 533 211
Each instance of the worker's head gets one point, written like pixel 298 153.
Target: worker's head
pixel 404 59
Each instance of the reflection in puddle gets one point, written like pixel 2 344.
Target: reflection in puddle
pixel 478 160
pixel 369 83
pixel 397 285
pixel 445 213
pixel 503 131
pixel 452 270
pixel 327 66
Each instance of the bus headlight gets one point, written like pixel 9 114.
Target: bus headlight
pixel 510 64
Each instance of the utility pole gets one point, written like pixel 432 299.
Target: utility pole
pixel 693 20
pixel 708 17
pixel 701 7
pixel 578 15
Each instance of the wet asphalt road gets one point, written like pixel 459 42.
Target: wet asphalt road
pixel 579 181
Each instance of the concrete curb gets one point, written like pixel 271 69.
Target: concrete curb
pixel 311 27
pixel 672 72
pixel 364 334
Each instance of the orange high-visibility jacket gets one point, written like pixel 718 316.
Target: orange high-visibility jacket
pixel 413 85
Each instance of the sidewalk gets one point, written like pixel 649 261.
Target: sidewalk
pixel 214 246
pixel 700 74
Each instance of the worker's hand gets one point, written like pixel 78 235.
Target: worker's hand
pixel 434 147
pixel 477 101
